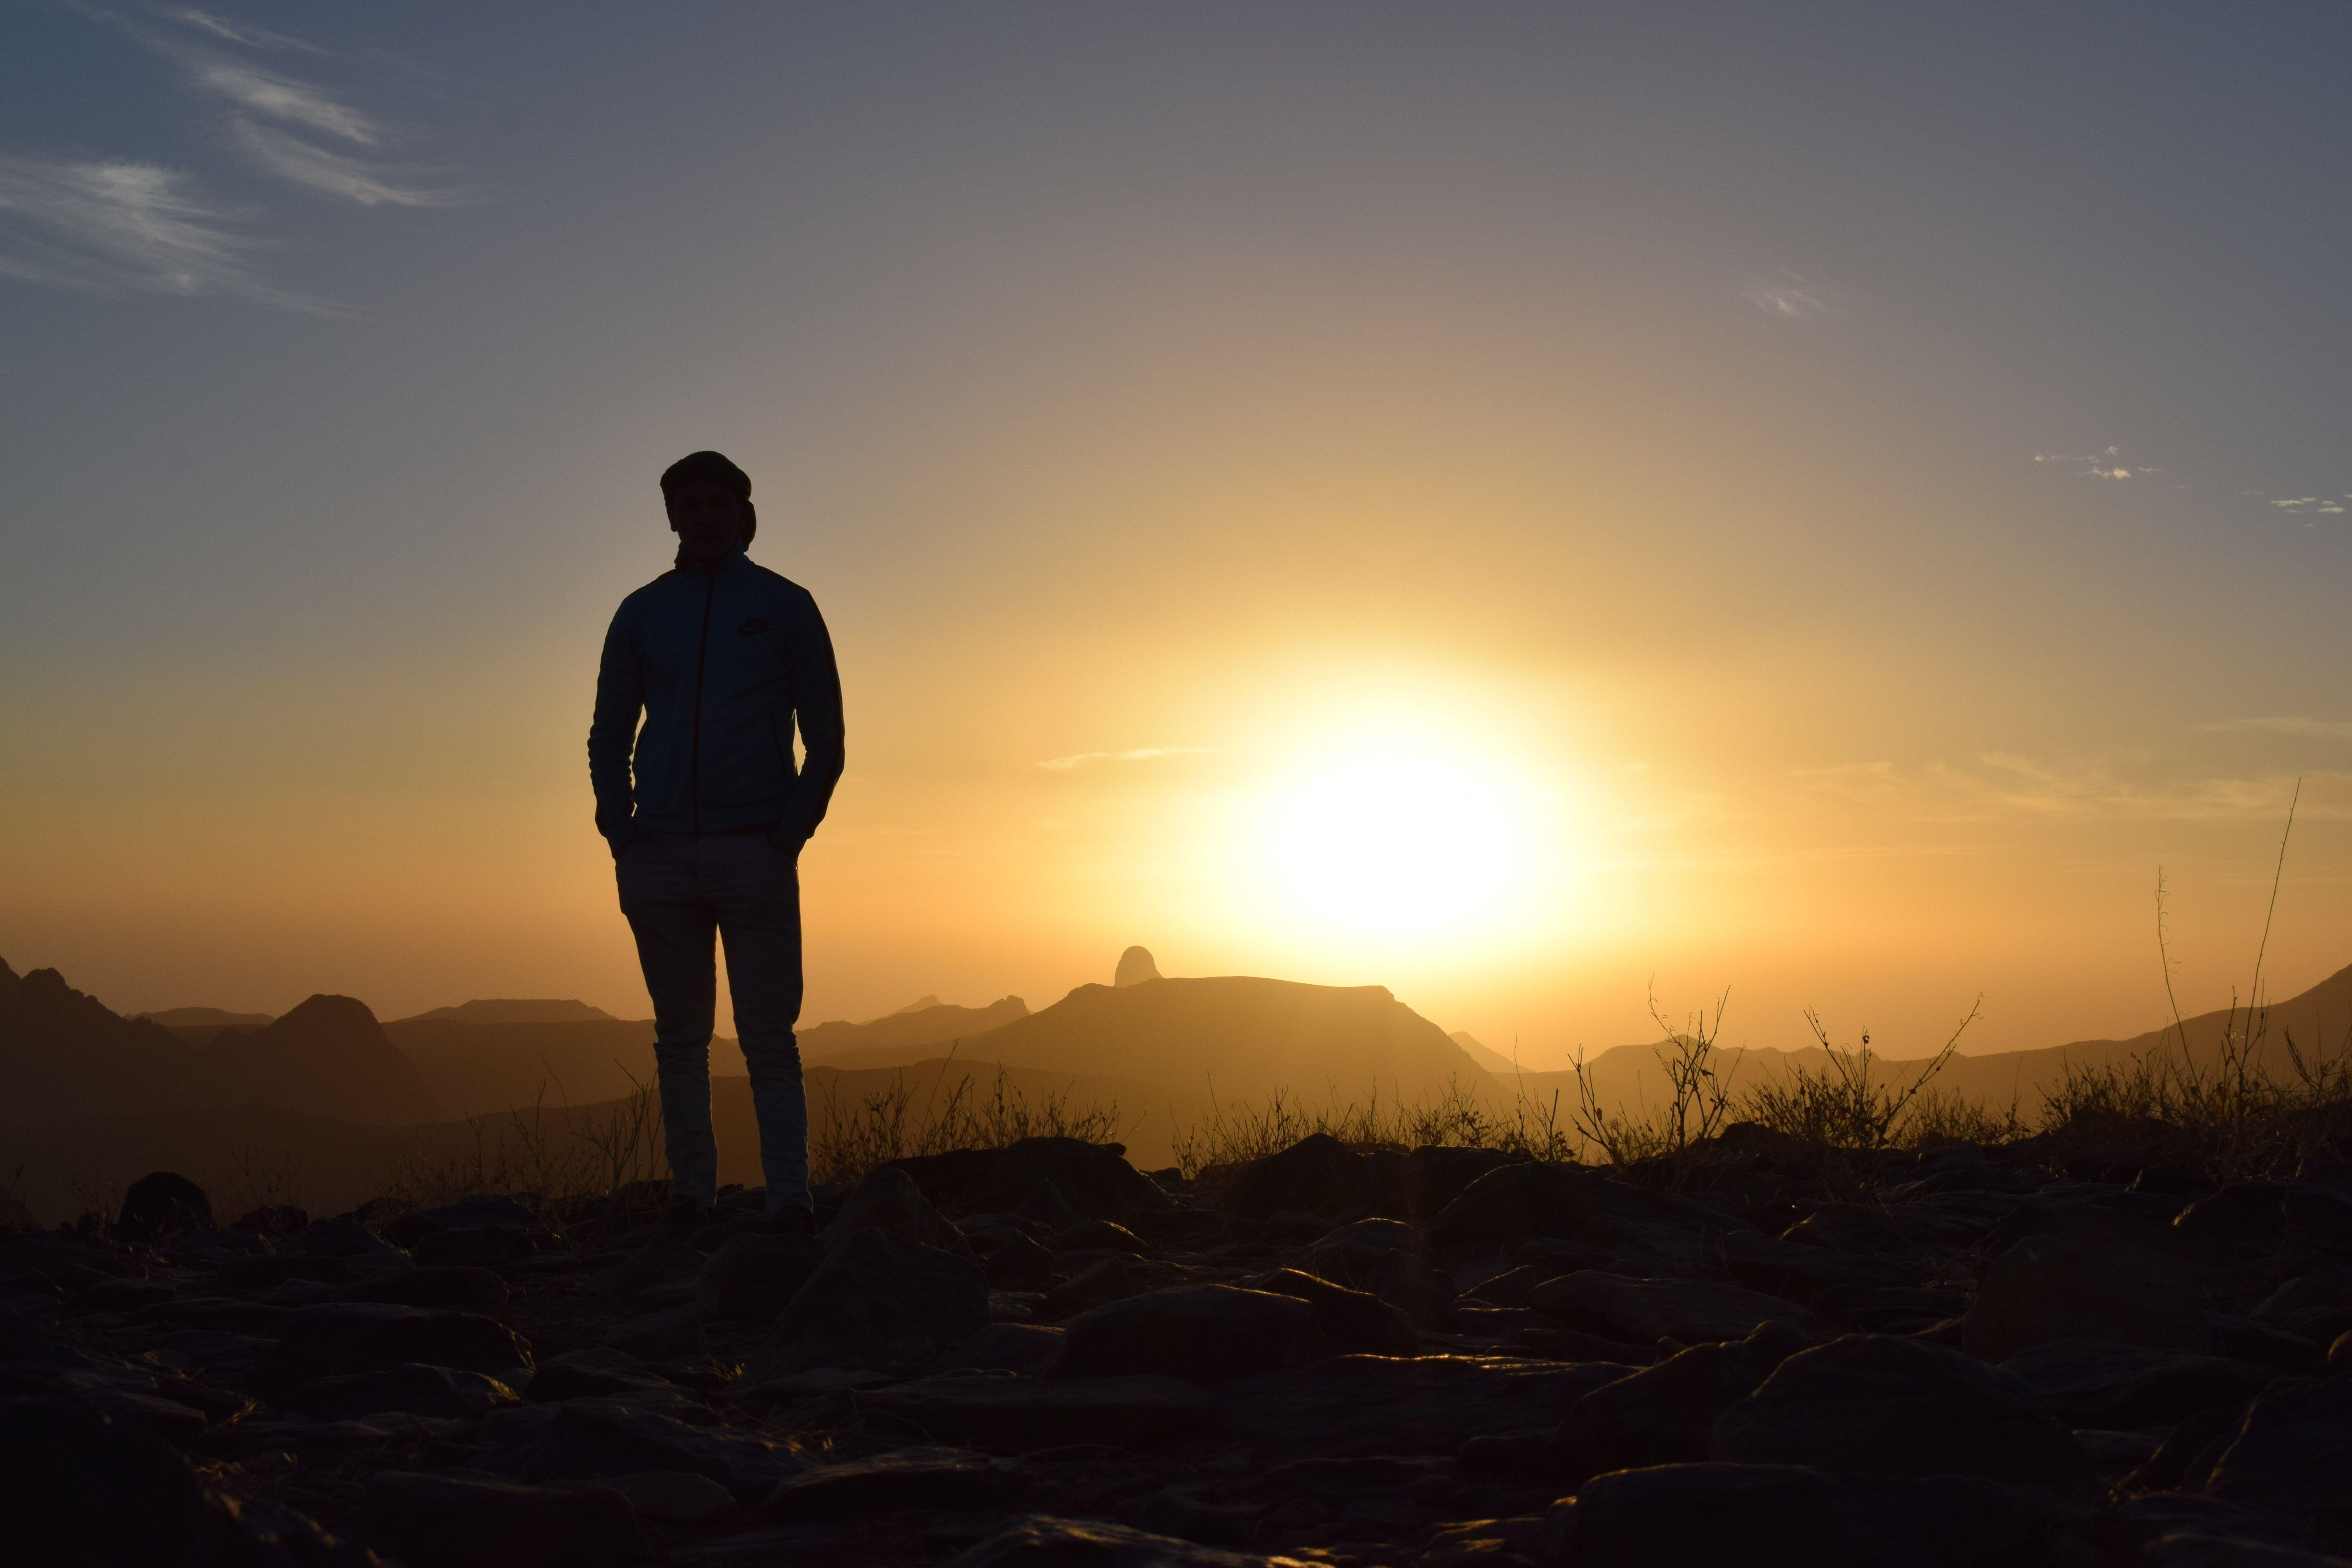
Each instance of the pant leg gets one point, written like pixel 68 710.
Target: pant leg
pixel 757 889
pixel 674 922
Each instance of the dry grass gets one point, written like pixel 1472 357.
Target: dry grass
pixel 1235 1134
pixel 558 1160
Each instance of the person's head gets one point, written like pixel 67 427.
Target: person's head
pixel 708 500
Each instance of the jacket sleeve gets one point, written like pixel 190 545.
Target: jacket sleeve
pixel 612 731
pixel 816 702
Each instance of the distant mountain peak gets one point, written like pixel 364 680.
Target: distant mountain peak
pixel 1135 967
pixel 929 999
pixel 513 1010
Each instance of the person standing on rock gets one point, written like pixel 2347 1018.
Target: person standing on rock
pixel 706 816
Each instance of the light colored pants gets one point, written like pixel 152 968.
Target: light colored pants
pixel 678 892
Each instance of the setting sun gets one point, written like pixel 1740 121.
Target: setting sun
pixel 1389 842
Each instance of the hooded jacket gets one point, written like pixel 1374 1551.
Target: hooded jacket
pixel 721 661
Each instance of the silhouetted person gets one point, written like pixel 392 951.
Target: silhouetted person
pixel 706 816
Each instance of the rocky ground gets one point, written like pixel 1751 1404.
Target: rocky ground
pixel 1041 1355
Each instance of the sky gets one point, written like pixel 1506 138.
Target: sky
pixel 1539 507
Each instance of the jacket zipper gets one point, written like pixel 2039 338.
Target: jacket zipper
pixel 701 663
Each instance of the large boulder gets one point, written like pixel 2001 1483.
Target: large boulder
pixel 887 1199
pixel 1789 1516
pixel 1356 1322
pixel 568 1443
pixel 443 1522
pixel 482 1212
pixel 412 1388
pixel 162 1204
pixel 1356 1405
pixel 1201 1333
pixel 1387 1258
pixel 877 1303
pixel 752 1277
pixel 1644 1312
pixel 2293 1454
pixel 2056 1288
pixel 1004 1413
pixel 441 1285
pixel 1883 1404
pixel 1319 1175
pixel 1041 1541
pixel 364 1336
pixel 76 1488
pixel 2120 1388
pixel 909 1478
pixel 1093 1181
pixel 1666 1415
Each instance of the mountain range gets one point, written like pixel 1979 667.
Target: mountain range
pixel 81 1086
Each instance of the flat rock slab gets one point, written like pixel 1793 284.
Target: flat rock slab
pixel 909 1478
pixel 442 1522
pixel 876 1303
pixel 1201 1333
pixel 366 1336
pixel 1787 1516
pixel 2118 1387
pixel 1890 1405
pixel 579 1441
pixel 1008 1413
pixel 2293 1454
pixel 1644 1312
pixel 1353 1405
pixel 412 1388
pixel 1041 1541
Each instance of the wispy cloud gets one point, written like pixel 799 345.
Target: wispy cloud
pixel 109 226
pixel 294 159
pixel 280 98
pixel 117 223
pixel 1141 754
pixel 2107 465
pixel 2317 728
pixel 237 33
pixel 1787 296
pixel 2303 506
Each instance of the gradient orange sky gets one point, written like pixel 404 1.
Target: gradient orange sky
pixel 1850 497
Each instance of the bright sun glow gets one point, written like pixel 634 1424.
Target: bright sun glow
pixel 1394 843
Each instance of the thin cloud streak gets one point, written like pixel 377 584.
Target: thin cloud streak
pixel 291 158
pixel 251 38
pixel 1787 297
pixel 2107 465
pixel 1141 754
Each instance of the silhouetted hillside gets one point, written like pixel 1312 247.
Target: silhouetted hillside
pixel 1244 1037
pixel 884 1041
pixel 505 1010
pixel 64 1054
pixel 213 1018
pixel 327 1057
pixel 475 1069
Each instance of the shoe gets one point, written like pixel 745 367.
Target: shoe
pixel 686 1214
pixel 787 1222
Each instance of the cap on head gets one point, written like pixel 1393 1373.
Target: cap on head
pixel 712 466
